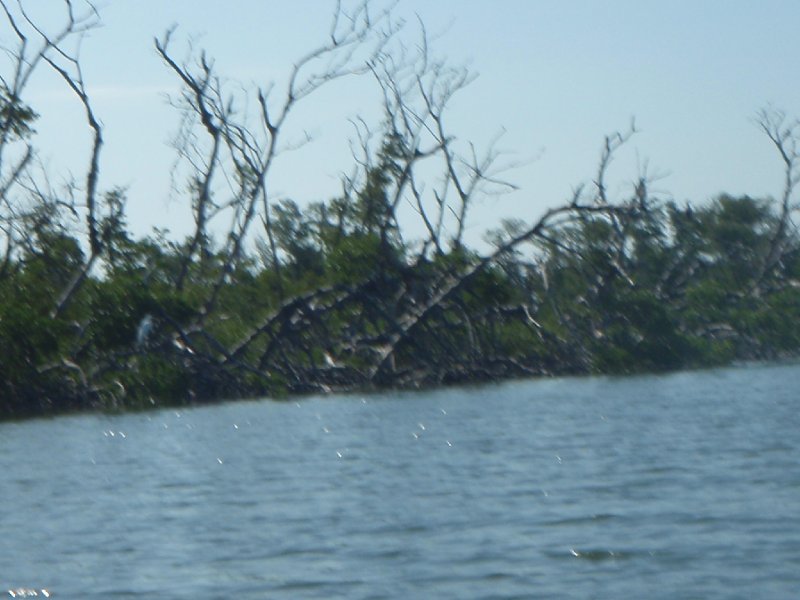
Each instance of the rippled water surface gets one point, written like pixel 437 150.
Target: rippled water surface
pixel 677 486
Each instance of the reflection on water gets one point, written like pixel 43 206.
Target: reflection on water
pixel 678 486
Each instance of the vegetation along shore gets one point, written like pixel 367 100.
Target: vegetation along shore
pixel 266 297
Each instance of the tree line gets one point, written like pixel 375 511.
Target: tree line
pixel 334 295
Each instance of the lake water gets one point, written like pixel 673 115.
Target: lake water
pixel 678 486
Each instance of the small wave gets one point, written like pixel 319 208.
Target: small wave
pixel 598 518
pixel 597 554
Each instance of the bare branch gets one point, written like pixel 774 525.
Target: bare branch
pixel 785 136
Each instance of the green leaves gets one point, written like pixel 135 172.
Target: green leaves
pixel 340 299
pixel 16 118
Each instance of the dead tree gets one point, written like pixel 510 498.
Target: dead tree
pixel 784 133
pixel 417 89
pixel 244 148
pixel 35 47
pixel 386 315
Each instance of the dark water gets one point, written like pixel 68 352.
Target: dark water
pixel 679 486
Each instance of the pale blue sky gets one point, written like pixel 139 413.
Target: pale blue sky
pixel 556 76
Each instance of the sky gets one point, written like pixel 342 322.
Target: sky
pixel 554 76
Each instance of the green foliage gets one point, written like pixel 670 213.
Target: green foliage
pixel 116 307
pixel 355 258
pixel 295 237
pixel 647 287
pixel 29 340
pixel 152 379
pixel 16 119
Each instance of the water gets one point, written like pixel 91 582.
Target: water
pixel 677 486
